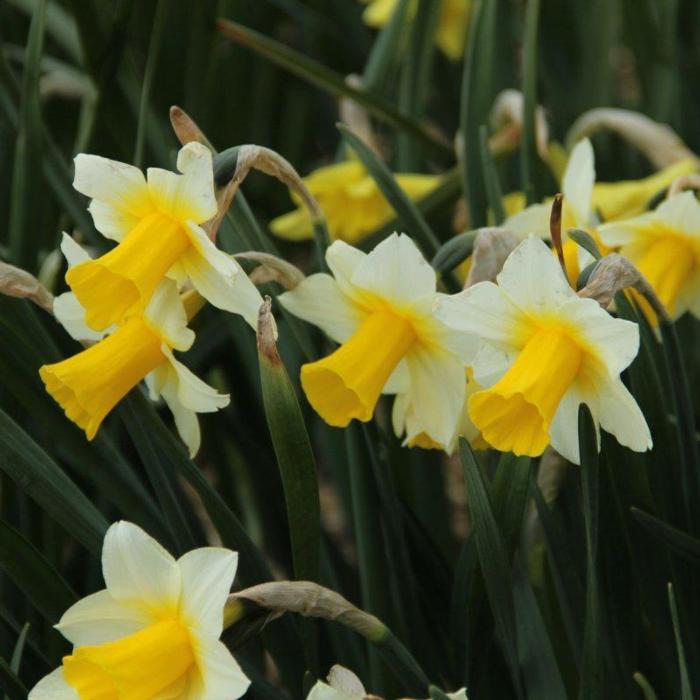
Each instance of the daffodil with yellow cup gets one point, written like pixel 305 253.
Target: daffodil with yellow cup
pixel 451 31
pixel 379 306
pixel 351 202
pixel 156 223
pixel 153 632
pixel 665 246
pixel 543 352
pixel 90 384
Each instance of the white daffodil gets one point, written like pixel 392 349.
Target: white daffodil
pixel 544 351
pixel 577 210
pixel 88 385
pixel 155 222
pixel 379 306
pixel 665 247
pixel 153 632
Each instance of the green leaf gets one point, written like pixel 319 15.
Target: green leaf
pixel 686 690
pixel 494 195
pixel 454 252
pixel 293 451
pixel 494 560
pixel 509 495
pixel 10 683
pixel 317 74
pixel 679 541
pixel 33 575
pixel 528 149
pixel 591 684
pixel 43 481
pixel 407 211
pixel 586 241
pixel 644 684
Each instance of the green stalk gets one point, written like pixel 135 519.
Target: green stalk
pixel 528 151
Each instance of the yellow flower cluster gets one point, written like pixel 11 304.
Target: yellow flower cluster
pixel 128 300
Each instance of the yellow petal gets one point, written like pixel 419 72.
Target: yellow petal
pixel 88 385
pixel 515 414
pixel 121 282
pixel 347 384
pixel 156 660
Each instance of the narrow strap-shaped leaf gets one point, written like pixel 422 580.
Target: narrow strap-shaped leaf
pixel 509 495
pixel 644 684
pixel 591 683
pixel 679 541
pixel 494 560
pixel 10 682
pixel 317 74
pixel 494 195
pixel 407 211
pixel 165 487
pixel 686 690
pixel 528 151
pixel 33 574
pixel 47 484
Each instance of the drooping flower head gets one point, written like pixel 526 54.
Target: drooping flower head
pixel 544 351
pixel 88 385
pixel 155 222
pixel 379 306
pixel 451 32
pixel 153 632
pixel 351 202
pixel 665 247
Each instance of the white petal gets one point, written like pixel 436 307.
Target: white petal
pixel 318 300
pixel 563 431
pixel 533 277
pixel 207 576
pixel 533 219
pixel 72 251
pixel 190 196
pixel 619 414
pixel 323 691
pixel 111 221
pixel 578 182
pixel 166 312
pixel 71 315
pixel 99 618
pixel 491 363
pixel 192 392
pixel 483 311
pixel 396 271
pixel 614 340
pixel 342 260
pixel 622 233
pixel 53 687
pixel 398 414
pixel 399 381
pixel 116 184
pixel 344 679
pixel 437 391
pixel 186 421
pixel 220 279
pixel 221 676
pixel 460 694
pixel 681 212
pixel 138 570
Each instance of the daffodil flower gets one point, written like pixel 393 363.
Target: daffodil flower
pixel 351 202
pixel 380 307
pixel 451 32
pixel 153 632
pixel 88 385
pixel 545 351
pixel 155 222
pixel 665 247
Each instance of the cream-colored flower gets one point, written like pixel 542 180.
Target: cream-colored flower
pixel 351 202
pixel 451 31
pixel 153 632
pixel 379 306
pixel 665 246
pixel 545 351
pixel 88 385
pixel 155 222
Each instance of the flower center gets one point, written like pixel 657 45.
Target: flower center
pixel 154 661
pixel 89 384
pixel 347 384
pixel 667 264
pixel 515 414
pixel 121 282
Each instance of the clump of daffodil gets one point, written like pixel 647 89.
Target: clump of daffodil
pixel 156 223
pixel 544 351
pixel 664 245
pixel 379 306
pixel 153 632
pixel 88 385
pixel 451 31
pixel 351 202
